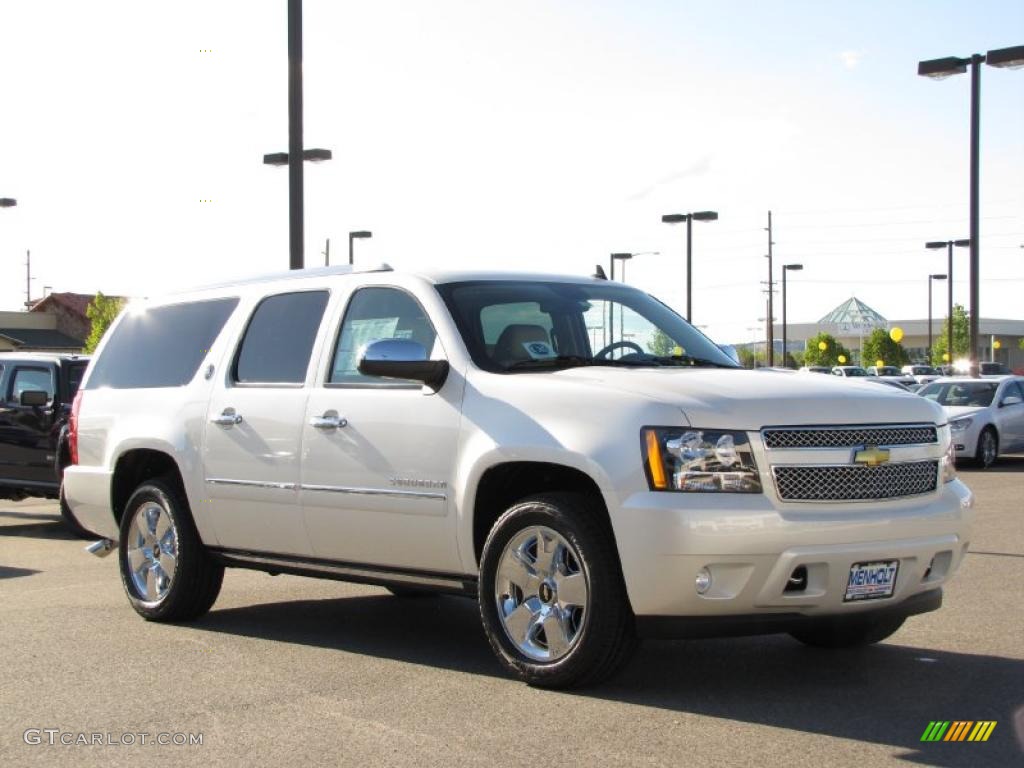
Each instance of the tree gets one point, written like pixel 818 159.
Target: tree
pixel 961 338
pixel 102 311
pixel 814 355
pixel 880 346
pixel 661 344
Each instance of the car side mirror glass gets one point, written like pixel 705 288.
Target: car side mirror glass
pixel 35 398
pixel 1011 400
pixel 402 359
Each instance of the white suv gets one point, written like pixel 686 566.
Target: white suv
pixel 569 451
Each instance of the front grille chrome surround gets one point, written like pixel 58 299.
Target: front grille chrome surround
pixel 849 436
pixel 849 482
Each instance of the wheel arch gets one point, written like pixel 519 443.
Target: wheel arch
pixel 134 467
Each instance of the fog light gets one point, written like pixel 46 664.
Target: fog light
pixel 703 581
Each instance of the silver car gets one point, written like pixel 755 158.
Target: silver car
pixel 986 416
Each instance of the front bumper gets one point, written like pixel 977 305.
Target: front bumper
pixel 752 548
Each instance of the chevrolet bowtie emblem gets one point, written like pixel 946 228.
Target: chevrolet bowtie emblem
pixel 871 455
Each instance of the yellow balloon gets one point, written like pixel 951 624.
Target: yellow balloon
pixel 945 356
pixel 997 344
pixel 896 334
pixel 842 359
pixel 879 363
pixel 822 346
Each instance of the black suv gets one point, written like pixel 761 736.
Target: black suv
pixel 36 393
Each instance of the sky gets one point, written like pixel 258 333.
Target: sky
pixel 531 135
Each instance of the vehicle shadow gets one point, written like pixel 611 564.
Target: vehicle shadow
pixel 9 572
pixel 49 528
pixel 886 694
pixel 1007 463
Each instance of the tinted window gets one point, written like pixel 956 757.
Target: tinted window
pixel 279 340
pixel 160 347
pixel 28 379
pixel 74 377
pixel 374 314
pixel 972 393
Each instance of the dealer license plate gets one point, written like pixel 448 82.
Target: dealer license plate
pixel 870 581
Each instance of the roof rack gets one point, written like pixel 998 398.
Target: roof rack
pixel 293 274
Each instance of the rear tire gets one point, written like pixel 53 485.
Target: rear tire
pixel 551 594
pixel 850 632
pixel 166 571
pixel 988 448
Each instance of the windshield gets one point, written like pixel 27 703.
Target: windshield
pixel 971 393
pixel 537 325
pixel 923 370
pixel 853 371
pixel 888 370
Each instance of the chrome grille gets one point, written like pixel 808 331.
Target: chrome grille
pixel 855 483
pixel 848 437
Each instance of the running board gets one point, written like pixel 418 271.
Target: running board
pixel 452 583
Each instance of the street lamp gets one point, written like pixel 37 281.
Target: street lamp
pixel 689 218
pixel 940 69
pixel 623 257
pixel 7 202
pixel 786 268
pixel 362 234
pixel 930 279
pixel 948 245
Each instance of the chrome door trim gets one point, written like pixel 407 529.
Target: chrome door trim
pixel 253 483
pixel 376 492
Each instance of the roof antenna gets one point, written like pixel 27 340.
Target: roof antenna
pixel 599 273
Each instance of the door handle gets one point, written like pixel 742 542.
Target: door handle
pixel 227 418
pixel 330 420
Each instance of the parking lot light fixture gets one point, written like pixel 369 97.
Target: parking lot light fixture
pixel 7 202
pixel 948 245
pixel 786 268
pixel 689 218
pixel 938 69
pixel 361 234
pixel 930 279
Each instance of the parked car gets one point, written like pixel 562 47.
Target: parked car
pixel 890 372
pixel 815 369
pixel 986 416
pixel 848 371
pixel 36 391
pixel 885 381
pixel 993 369
pixel 489 435
pixel 922 373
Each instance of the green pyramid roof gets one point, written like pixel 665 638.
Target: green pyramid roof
pixel 854 313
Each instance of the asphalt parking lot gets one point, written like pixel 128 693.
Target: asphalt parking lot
pixel 287 670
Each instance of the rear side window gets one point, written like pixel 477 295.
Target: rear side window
pixel 74 377
pixel 160 347
pixel 279 340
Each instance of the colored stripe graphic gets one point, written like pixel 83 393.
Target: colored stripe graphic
pixel 958 730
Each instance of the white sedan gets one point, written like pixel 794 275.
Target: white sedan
pixel 985 415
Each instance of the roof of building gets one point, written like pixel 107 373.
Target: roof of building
pixel 40 338
pixel 855 313
pixel 73 302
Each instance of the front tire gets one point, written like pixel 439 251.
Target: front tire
pixel 551 595
pixel 166 571
pixel 850 632
pixel 988 448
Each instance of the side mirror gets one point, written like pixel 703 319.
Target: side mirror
pixel 1011 400
pixel 35 398
pixel 402 359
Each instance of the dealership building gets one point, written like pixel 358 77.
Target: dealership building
pixel 853 320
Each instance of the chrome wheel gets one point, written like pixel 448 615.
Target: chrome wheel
pixel 542 593
pixel 152 552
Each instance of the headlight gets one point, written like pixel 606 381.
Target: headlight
pixel 703 460
pixel 959 425
pixel 947 466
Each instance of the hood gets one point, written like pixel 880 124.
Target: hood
pixel 749 400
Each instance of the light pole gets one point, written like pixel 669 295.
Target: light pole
pixel 623 257
pixel 689 218
pixel 295 155
pixel 7 202
pixel 930 279
pixel 362 234
pixel 786 268
pixel 948 245
pixel 939 69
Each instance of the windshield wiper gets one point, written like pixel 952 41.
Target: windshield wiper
pixel 690 360
pixel 560 361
